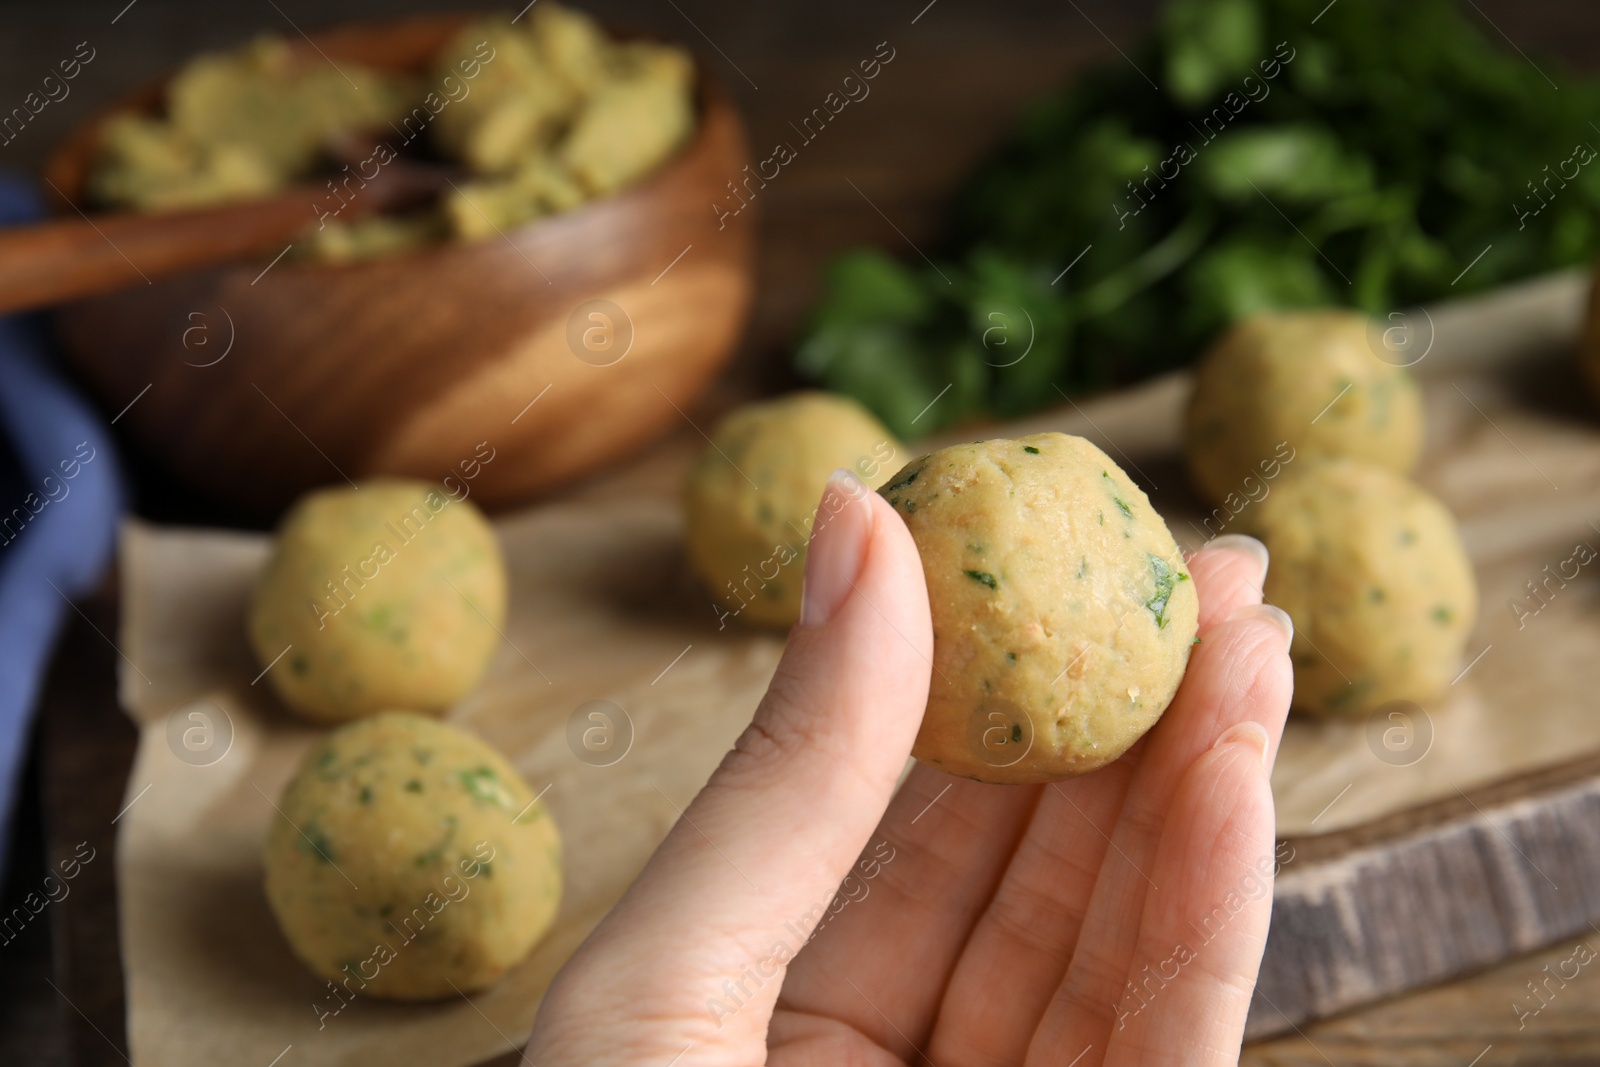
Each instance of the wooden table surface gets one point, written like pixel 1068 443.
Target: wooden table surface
pixel 879 174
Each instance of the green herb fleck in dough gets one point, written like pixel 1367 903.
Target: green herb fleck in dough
pixel 1443 615
pixel 1375 595
pixel 1083 567
pixel 903 481
pixel 414 786
pixel 1195 642
pixel 486 870
pixel 1016 732
pixel 386 911
pixel 315 841
pixel 485 787
pixel 982 578
pixel 764 512
pixel 1122 504
pixel 366 794
pixel 299 664
pixel 1030 449
pixel 1166 579
pixel 422 755
pixel 1012 656
pixel 1408 537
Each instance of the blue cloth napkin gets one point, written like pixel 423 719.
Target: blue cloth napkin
pixel 60 497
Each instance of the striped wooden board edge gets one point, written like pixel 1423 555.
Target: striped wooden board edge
pixel 1430 894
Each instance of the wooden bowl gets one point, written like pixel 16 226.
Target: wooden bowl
pixel 266 381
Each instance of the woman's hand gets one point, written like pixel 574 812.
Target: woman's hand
pixel 1118 917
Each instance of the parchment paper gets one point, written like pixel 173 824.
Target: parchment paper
pixel 603 607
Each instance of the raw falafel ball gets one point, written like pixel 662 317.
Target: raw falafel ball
pixel 1310 382
pixel 1063 613
pixel 409 860
pixel 1371 569
pixel 388 596
pixel 751 499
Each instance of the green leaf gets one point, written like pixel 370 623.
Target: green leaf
pixel 1375 151
pixel 1209 45
pixel 867 287
pixel 1021 326
pixel 879 366
pixel 1246 275
pixel 1289 165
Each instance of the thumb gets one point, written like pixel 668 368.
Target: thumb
pixel 704 934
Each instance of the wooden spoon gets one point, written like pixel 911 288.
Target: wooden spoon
pixel 65 259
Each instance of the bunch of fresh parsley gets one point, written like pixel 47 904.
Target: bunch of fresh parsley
pixel 1250 155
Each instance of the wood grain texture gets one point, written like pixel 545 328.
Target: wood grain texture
pixel 73 258
pixel 1470 1019
pixel 404 364
pixel 1432 893
pixel 87 747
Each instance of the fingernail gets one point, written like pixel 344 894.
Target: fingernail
pixel 839 538
pixel 1269 613
pixel 1246 733
pixel 1245 544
